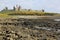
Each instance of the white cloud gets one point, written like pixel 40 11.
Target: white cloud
pixel 49 5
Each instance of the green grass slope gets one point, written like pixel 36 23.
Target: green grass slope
pixel 6 13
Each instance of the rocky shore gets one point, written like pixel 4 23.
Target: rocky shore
pixel 29 29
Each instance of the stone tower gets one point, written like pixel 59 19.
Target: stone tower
pixel 18 8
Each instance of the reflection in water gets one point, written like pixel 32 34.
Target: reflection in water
pixel 56 19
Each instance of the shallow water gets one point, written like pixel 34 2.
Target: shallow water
pixel 56 19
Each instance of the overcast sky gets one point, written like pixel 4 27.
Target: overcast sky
pixel 47 5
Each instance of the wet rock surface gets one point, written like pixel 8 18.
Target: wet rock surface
pixel 29 29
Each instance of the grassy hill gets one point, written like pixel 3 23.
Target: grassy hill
pixel 6 13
